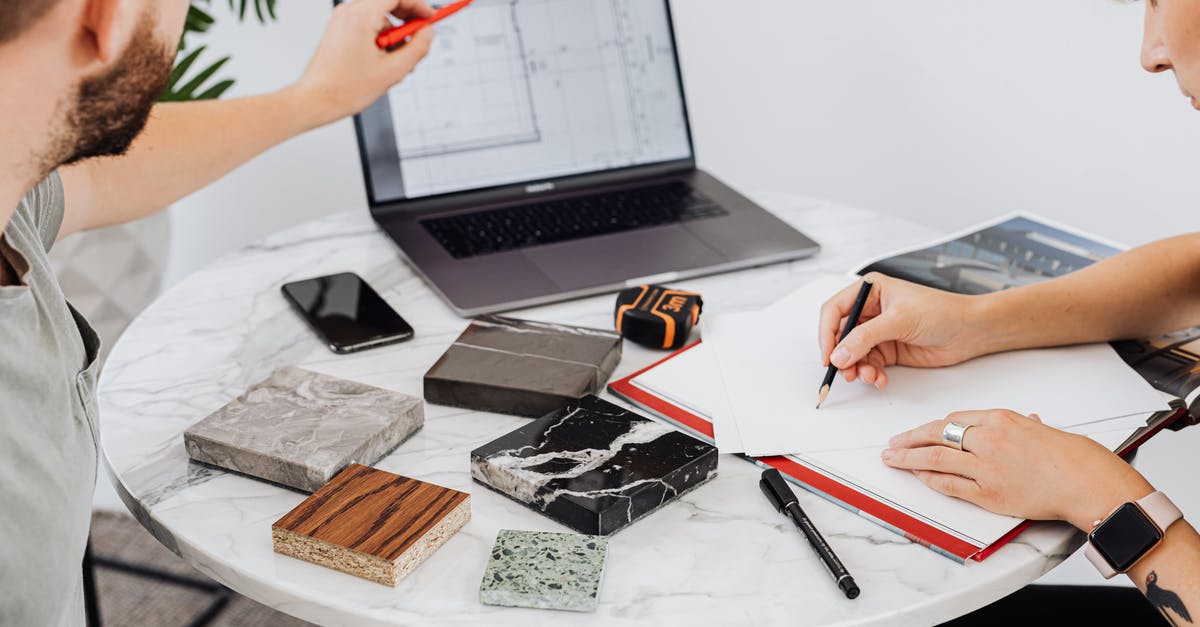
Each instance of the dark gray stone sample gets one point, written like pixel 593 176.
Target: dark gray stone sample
pixel 520 367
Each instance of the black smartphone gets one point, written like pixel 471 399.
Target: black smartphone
pixel 347 313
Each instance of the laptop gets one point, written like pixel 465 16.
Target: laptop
pixel 542 152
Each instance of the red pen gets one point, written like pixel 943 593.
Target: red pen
pixel 397 35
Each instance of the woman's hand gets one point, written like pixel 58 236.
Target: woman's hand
pixel 902 324
pixel 348 72
pixel 1015 465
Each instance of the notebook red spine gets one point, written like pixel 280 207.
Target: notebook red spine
pixel 891 518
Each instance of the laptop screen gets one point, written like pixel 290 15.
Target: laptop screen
pixel 523 91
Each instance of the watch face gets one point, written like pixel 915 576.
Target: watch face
pixel 1125 537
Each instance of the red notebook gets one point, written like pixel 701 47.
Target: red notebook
pixel 849 496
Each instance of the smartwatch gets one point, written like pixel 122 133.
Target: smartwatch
pixel 1129 533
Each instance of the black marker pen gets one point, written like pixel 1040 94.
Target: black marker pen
pixel 781 496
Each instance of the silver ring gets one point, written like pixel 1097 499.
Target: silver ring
pixel 953 434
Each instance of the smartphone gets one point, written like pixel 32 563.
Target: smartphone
pixel 347 313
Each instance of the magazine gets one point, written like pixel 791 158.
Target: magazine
pixel 1021 249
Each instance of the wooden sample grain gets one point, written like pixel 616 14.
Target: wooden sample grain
pixel 372 524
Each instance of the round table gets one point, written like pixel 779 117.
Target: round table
pixel 718 555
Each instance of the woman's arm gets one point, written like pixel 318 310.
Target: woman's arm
pixel 1169 575
pixel 1015 465
pixel 1144 292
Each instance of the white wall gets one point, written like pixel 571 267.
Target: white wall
pixel 941 111
pixel 947 112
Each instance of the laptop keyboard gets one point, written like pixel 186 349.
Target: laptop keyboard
pixel 523 226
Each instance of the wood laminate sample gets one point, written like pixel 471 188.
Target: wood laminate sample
pixel 372 524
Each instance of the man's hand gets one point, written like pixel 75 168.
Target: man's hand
pixel 188 145
pixel 902 324
pixel 348 72
pixel 1015 465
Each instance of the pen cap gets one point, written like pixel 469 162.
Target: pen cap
pixel 777 490
pixel 849 588
pixel 762 483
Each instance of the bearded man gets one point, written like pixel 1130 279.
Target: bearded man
pixel 82 146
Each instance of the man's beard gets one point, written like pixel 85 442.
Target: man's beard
pixel 110 109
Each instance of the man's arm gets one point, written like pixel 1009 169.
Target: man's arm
pixel 186 146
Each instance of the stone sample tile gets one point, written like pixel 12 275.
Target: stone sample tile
pixel 372 524
pixel 556 571
pixel 299 428
pixel 520 367
pixel 593 466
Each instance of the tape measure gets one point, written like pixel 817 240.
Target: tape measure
pixel 657 316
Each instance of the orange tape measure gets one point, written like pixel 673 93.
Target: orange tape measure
pixel 656 316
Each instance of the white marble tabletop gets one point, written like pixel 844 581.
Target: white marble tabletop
pixel 718 555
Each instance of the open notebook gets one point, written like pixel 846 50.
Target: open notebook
pixel 679 389
pixel 770 371
pixel 1013 250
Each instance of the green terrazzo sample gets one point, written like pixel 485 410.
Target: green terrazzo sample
pixel 556 571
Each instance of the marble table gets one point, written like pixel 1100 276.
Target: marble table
pixel 718 556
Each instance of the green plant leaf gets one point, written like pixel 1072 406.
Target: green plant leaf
pixel 187 92
pixel 183 65
pixel 199 22
pixel 263 9
pixel 216 91
pixel 190 88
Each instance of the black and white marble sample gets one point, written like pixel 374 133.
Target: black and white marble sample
pixel 554 571
pixel 594 466
pixel 299 428
pixel 521 367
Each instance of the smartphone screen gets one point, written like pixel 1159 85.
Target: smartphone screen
pixel 347 313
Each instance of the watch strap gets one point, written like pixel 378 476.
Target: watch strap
pixel 1093 555
pixel 1158 508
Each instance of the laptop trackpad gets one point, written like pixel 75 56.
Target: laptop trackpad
pixel 617 258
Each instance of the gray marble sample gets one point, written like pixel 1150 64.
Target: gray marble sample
pixel 299 428
pixel 556 571
pixel 593 466
pixel 520 367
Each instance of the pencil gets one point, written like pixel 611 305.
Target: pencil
pixel 855 312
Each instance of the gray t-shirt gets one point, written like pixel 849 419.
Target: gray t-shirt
pixel 48 431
